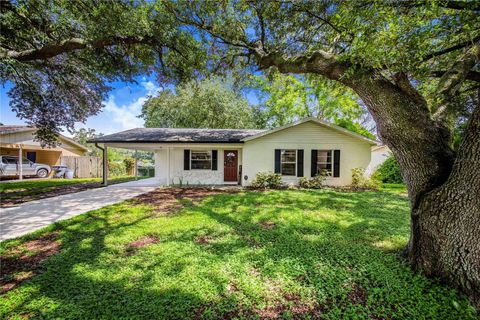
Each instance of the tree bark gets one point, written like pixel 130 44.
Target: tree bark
pixel 445 239
pixel 443 187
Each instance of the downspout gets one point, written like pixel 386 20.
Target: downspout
pixel 105 166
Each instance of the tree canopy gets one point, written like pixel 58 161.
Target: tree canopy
pixel 210 103
pixel 287 98
pixel 60 55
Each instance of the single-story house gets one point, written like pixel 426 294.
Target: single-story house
pixel 16 139
pixel 235 156
pixel 380 153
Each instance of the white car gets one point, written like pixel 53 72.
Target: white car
pixel 9 167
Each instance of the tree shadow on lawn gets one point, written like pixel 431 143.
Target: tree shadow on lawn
pixel 332 267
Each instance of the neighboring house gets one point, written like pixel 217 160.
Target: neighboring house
pixel 379 155
pixel 16 138
pixel 235 156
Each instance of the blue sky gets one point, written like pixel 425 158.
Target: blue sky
pixel 121 109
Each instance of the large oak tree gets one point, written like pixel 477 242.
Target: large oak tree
pixel 413 63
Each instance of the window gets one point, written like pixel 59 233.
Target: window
pixel 11 160
pixel 324 162
pixel 201 160
pixel 288 162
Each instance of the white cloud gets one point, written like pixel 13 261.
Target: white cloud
pixel 126 115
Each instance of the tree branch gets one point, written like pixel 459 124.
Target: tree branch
pixel 452 80
pixel 470 75
pixel 261 22
pixel 319 62
pixel 53 49
pixel 448 4
pixel 450 49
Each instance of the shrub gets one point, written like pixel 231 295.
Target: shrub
pixel 361 182
pixel 389 171
pixel 267 180
pixel 116 169
pixel 129 164
pixel 312 183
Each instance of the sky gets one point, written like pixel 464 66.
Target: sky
pixel 122 107
pixel 120 111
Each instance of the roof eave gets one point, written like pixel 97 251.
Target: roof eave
pixel 159 141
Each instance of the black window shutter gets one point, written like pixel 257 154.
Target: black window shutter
pixel 214 159
pixel 336 163
pixel 300 163
pixel 186 159
pixel 277 160
pixel 313 172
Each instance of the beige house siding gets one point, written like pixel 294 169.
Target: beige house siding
pixel 259 154
pixel 9 144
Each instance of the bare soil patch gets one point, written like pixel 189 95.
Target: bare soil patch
pixel 358 295
pixel 171 199
pixel 292 304
pixel 143 242
pixel 267 224
pixel 24 261
pixel 133 246
pixel 204 239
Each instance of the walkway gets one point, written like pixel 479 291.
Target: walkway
pixel 33 215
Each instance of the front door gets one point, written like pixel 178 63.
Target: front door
pixel 230 164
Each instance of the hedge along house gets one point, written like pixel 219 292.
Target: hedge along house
pixel 18 139
pixel 235 156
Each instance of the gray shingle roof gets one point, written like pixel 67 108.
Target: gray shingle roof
pixel 179 135
pixel 7 129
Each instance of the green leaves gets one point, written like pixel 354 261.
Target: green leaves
pixel 287 98
pixel 210 103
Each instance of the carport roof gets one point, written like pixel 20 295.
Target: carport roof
pixel 178 135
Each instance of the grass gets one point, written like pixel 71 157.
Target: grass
pixel 289 254
pixel 49 183
pixel 28 190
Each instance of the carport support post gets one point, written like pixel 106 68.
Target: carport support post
pixel 105 166
pixel 20 163
pixel 135 171
pixel 168 166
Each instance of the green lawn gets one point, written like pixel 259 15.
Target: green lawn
pixel 289 254
pixel 28 190
pixel 50 183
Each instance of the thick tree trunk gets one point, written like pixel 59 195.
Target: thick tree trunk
pixel 444 189
pixel 445 238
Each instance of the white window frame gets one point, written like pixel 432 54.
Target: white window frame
pixel 192 160
pixel 282 162
pixel 332 154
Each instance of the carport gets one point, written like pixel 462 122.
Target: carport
pixel 103 146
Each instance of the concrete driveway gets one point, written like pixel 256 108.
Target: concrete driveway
pixel 33 215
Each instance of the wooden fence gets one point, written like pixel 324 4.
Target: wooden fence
pixel 83 167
